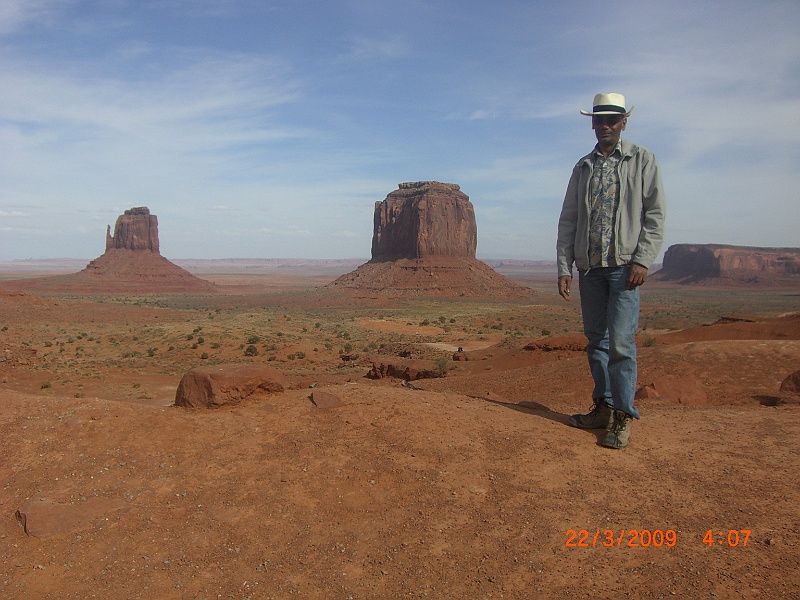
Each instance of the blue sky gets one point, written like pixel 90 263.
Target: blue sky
pixel 268 129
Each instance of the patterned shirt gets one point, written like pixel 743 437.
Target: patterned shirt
pixel 603 203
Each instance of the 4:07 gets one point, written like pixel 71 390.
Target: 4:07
pixel 733 538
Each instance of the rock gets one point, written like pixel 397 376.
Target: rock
pixel 323 399
pixel 791 385
pixel 692 263
pixel 136 229
pixel 217 385
pixel 130 264
pixel 425 218
pixel 423 244
pixel 679 390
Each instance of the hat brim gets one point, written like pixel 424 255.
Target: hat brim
pixel 589 113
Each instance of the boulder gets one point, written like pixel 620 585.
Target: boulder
pixel 679 390
pixel 322 399
pixel 217 385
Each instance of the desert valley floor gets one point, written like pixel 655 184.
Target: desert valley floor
pixel 468 485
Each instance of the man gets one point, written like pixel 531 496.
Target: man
pixel 611 227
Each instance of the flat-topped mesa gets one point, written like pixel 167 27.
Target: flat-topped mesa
pixel 423 219
pixel 136 229
pixel 691 263
pixel 423 244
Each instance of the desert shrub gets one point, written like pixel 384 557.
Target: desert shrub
pixel 649 341
pixel 301 355
pixel 204 355
pixel 272 357
pixel 253 339
pixel 46 385
pixel 201 340
pixel 290 356
pixel 442 366
pixel 251 350
pixel 545 332
pixel 425 322
pixel 215 345
pixel 151 352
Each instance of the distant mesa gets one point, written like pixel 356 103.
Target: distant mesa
pixel 423 244
pixel 734 265
pixel 131 264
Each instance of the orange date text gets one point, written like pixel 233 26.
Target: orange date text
pixel 623 538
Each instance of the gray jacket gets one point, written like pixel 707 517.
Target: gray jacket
pixel 639 227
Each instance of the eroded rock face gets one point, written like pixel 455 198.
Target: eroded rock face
pixel 136 229
pixel 688 263
pixel 423 244
pixel 423 219
pixel 217 385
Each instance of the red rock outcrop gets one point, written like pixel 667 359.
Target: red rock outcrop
pixel 423 244
pixel 214 386
pixel 695 263
pixel 423 219
pixel 131 264
pixel 136 229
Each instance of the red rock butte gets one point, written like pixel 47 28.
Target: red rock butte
pixel 423 244
pixel 717 264
pixel 131 264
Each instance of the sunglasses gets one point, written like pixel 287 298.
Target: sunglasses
pixel 610 120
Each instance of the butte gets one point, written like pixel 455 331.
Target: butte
pixel 131 264
pixel 423 244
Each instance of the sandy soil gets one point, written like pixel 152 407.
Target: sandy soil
pixel 467 486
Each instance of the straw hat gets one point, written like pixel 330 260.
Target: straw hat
pixel 608 104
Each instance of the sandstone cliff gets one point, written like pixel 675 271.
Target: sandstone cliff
pixel 136 229
pixel 422 219
pixel 696 263
pixel 423 244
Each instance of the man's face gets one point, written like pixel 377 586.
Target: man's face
pixel 608 128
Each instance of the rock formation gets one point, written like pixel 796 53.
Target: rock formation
pixel 694 263
pixel 230 383
pixel 424 219
pixel 130 264
pixel 136 229
pixel 423 244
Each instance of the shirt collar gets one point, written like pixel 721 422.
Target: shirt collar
pixel 617 150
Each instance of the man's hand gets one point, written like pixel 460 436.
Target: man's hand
pixel 636 276
pixel 564 284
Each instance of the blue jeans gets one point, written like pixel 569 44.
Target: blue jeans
pixel 610 319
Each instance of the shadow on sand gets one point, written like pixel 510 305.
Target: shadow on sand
pixel 540 410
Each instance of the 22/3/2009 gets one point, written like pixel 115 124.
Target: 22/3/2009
pixel 625 538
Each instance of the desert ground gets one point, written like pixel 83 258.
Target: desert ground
pixel 467 485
